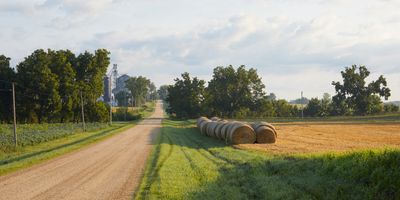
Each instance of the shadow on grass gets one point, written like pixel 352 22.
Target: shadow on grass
pixel 252 175
pixel 354 176
pixel 30 155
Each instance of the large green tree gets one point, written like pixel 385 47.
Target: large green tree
pixel 354 95
pixel 60 64
pixel 231 91
pixel 90 70
pixel 38 86
pixel 185 97
pixel 7 75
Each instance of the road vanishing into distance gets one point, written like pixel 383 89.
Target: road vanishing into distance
pixel 110 169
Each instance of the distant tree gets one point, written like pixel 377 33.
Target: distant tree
pixel 7 75
pixel 139 88
pixel 302 101
pixel 355 96
pixel 326 105
pixel 284 109
pixel 313 108
pixel 271 97
pixel 230 92
pixel 390 107
pixel 185 97
pixel 122 98
pixel 163 91
pixel 266 107
pixel 152 91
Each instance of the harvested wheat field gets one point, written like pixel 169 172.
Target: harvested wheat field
pixel 310 138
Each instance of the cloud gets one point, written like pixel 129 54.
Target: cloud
pixel 163 39
pixel 17 6
pixel 74 7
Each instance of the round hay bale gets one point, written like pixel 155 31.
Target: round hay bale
pixel 211 129
pixel 199 120
pixel 218 129
pixel 215 119
pixel 208 130
pixel 224 130
pixel 240 133
pixel 227 130
pixel 258 124
pixel 203 126
pixel 231 125
pixel 264 135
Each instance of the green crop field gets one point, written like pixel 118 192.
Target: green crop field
pixel 31 134
pixel 187 165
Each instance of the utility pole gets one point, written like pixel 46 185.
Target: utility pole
pixel 302 105
pixel 15 117
pixel 126 104
pixel 110 113
pixel 83 113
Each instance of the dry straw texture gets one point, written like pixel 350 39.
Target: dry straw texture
pixel 236 132
pixel 265 135
pixel 240 133
pixel 258 124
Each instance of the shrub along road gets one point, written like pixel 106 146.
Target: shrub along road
pixel 110 169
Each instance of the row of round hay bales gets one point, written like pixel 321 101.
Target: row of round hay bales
pixel 233 132
pixel 237 132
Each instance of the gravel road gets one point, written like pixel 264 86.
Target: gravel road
pixel 110 169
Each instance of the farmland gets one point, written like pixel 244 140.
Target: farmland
pixel 187 165
pixel 31 134
pixel 325 137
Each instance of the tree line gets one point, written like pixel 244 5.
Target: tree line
pixel 239 93
pixel 51 85
pixel 353 96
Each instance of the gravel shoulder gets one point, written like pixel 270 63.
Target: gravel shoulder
pixel 110 169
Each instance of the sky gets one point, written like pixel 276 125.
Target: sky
pixel 294 45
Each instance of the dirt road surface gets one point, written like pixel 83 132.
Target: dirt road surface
pixel 110 169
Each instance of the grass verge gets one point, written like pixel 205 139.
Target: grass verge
pixel 187 165
pixel 26 156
